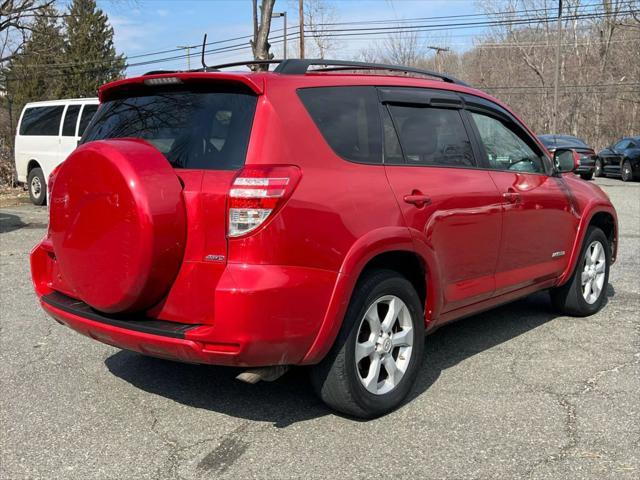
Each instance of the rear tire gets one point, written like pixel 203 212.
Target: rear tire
pixel 369 371
pixel 37 186
pixel 626 172
pixel 598 169
pixel 586 176
pixel 585 292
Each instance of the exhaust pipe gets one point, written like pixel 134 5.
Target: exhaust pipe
pixel 266 374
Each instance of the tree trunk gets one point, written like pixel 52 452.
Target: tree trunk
pixel 260 43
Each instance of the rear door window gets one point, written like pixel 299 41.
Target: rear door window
pixel 432 136
pixel 192 129
pixel 348 119
pixel 88 112
pixel 41 120
pixel 70 121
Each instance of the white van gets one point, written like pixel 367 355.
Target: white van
pixel 47 133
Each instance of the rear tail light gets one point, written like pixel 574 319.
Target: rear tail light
pixel 257 193
pixel 576 159
pixel 162 81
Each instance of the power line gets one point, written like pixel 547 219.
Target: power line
pixel 361 32
pixel 549 87
pixel 340 32
pixel 591 92
pixel 450 26
pixel 628 3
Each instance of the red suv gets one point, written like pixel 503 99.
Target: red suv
pixel 326 214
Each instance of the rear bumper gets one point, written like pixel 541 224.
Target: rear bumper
pixel 584 169
pixel 262 315
pixel 152 344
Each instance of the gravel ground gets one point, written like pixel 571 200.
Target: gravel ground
pixel 514 392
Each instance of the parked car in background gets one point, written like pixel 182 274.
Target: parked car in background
pixel 622 160
pixel 47 133
pixel 586 154
pixel 304 217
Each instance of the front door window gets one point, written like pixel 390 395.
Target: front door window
pixel 505 150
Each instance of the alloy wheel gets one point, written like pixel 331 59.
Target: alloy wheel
pixel 384 344
pixel 593 272
pixel 36 187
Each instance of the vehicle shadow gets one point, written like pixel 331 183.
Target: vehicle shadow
pixel 291 398
pixel 10 222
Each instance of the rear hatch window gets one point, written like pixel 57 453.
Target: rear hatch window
pixel 194 128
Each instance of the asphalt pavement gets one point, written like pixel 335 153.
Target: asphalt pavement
pixel 516 392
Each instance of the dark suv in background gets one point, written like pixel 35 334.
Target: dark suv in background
pixel 620 160
pixel 586 155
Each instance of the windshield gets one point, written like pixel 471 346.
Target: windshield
pixel 562 141
pixel 192 129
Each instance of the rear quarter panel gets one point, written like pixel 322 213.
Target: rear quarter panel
pixel 335 203
pixel 340 216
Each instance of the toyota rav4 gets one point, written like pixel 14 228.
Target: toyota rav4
pixel 325 213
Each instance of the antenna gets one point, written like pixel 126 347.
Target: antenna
pixel 204 43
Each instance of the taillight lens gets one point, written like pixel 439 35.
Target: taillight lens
pixel 256 193
pixel 576 159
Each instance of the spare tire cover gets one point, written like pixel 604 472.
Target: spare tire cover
pixel 118 224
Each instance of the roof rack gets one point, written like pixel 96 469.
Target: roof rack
pixel 213 68
pixel 298 66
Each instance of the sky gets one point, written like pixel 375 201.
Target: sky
pixel 144 26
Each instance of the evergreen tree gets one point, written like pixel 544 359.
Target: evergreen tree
pixel 33 73
pixel 89 51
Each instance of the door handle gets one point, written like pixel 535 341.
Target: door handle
pixel 511 196
pixel 417 198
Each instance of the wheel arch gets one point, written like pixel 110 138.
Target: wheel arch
pixel 386 248
pixel 602 216
pixel 407 263
pixel 31 164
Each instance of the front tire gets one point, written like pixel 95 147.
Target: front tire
pixel 585 292
pixel 37 187
pixel 378 352
pixel 626 171
pixel 598 169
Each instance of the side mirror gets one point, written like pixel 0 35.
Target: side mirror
pixel 566 160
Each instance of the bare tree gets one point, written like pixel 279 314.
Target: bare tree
pixel 599 67
pixel 260 43
pixel 403 48
pixel 16 21
pixel 318 14
pixel 599 88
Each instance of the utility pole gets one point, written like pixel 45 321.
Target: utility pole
pixel 301 15
pixel 11 129
pixel 438 51
pixel 188 49
pixel 554 123
pixel 283 15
